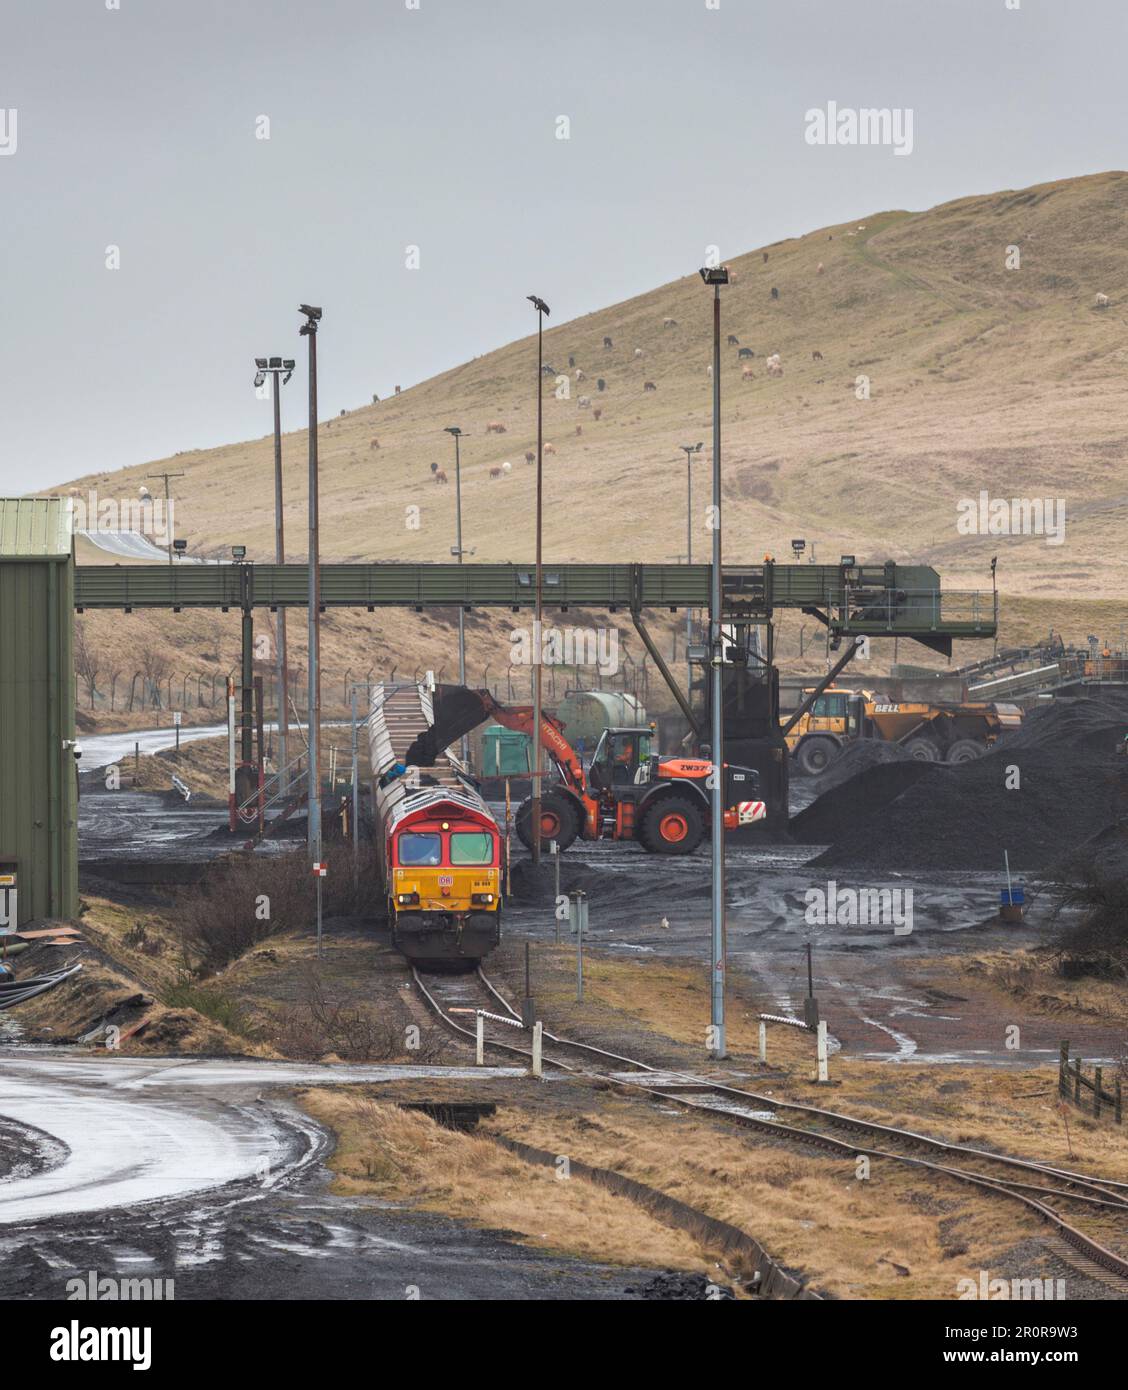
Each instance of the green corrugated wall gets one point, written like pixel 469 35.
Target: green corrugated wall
pixel 38 791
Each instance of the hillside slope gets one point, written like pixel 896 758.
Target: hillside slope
pixel 981 378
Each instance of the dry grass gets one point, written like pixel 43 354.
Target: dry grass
pixel 405 1156
pixel 1010 1109
pixel 846 1235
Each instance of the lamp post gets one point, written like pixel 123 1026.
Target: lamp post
pixel 689 450
pixel 274 367
pixel 456 435
pixel 538 758
pixel 717 276
pixel 313 777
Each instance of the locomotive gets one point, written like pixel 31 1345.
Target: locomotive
pixel 438 846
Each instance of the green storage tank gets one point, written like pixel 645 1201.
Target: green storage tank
pixel 586 713
pixel 38 780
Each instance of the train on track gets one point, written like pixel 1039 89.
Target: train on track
pixel 438 847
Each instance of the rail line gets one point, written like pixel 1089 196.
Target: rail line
pixel 1062 1185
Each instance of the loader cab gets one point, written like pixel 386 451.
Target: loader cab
pixel 621 758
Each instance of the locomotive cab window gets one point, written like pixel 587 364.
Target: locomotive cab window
pixel 471 847
pixel 420 851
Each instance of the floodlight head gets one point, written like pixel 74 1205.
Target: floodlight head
pixel 259 379
pixel 451 429
pixel 238 552
pixel 275 363
pixel 538 304
pixel 180 545
pixel 288 363
pixel 287 377
pixel 261 363
pixel 799 546
pixel 142 491
pixel 714 274
pixel 848 560
pixel 310 311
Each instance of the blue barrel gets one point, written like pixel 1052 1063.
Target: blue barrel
pixel 1014 895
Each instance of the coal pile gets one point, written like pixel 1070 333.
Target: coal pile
pixel 856 757
pixel 837 811
pixel 674 1286
pixel 964 817
pixel 1086 726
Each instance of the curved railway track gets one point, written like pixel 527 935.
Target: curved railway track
pixel 1025 1181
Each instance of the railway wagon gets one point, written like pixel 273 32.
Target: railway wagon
pixel 438 846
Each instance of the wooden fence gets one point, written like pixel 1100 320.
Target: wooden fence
pixel 1088 1094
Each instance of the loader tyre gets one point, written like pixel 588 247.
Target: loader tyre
pixel 559 822
pixel 815 755
pixel 923 750
pixel 673 825
pixel 964 750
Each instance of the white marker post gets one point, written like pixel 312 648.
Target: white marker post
pixel 763 1042
pixel 538 1042
pixel 319 871
pixel 823 1073
pixel 554 850
pixel 480 1042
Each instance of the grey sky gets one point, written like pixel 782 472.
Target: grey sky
pixel 435 127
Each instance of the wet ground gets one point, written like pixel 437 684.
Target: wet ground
pixel 203 1172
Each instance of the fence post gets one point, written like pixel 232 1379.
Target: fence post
pixel 1116 1100
pixel 538 1037
pixel 1077 1081
pixel 1063 1070
pixel 1097 1092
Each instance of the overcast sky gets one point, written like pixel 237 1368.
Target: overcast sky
pixel 437 127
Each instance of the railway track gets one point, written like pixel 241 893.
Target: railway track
pixel 1025 1181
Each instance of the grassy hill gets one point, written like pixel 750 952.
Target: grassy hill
pixel 981 378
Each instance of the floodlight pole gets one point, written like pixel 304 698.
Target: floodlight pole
pixel 313 784
pixel 538 755
pixel 689 450
pixel 718 943
pixel 456 434
pixel 280 557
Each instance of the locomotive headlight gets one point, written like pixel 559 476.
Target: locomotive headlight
pixel 482 898
pixel 446 825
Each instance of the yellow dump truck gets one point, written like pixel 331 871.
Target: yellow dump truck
pixel 953 733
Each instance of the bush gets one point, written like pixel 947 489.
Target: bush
pixel 1094 885
pixel 349 1027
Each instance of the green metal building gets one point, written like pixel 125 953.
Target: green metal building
pixel 38 777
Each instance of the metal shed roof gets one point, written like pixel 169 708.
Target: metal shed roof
pixel 35 528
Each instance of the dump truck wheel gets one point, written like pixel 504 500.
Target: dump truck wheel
pixel 964 750
pixel 558 822
pixel 815 755
pixel 673 825
pixel 923 750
